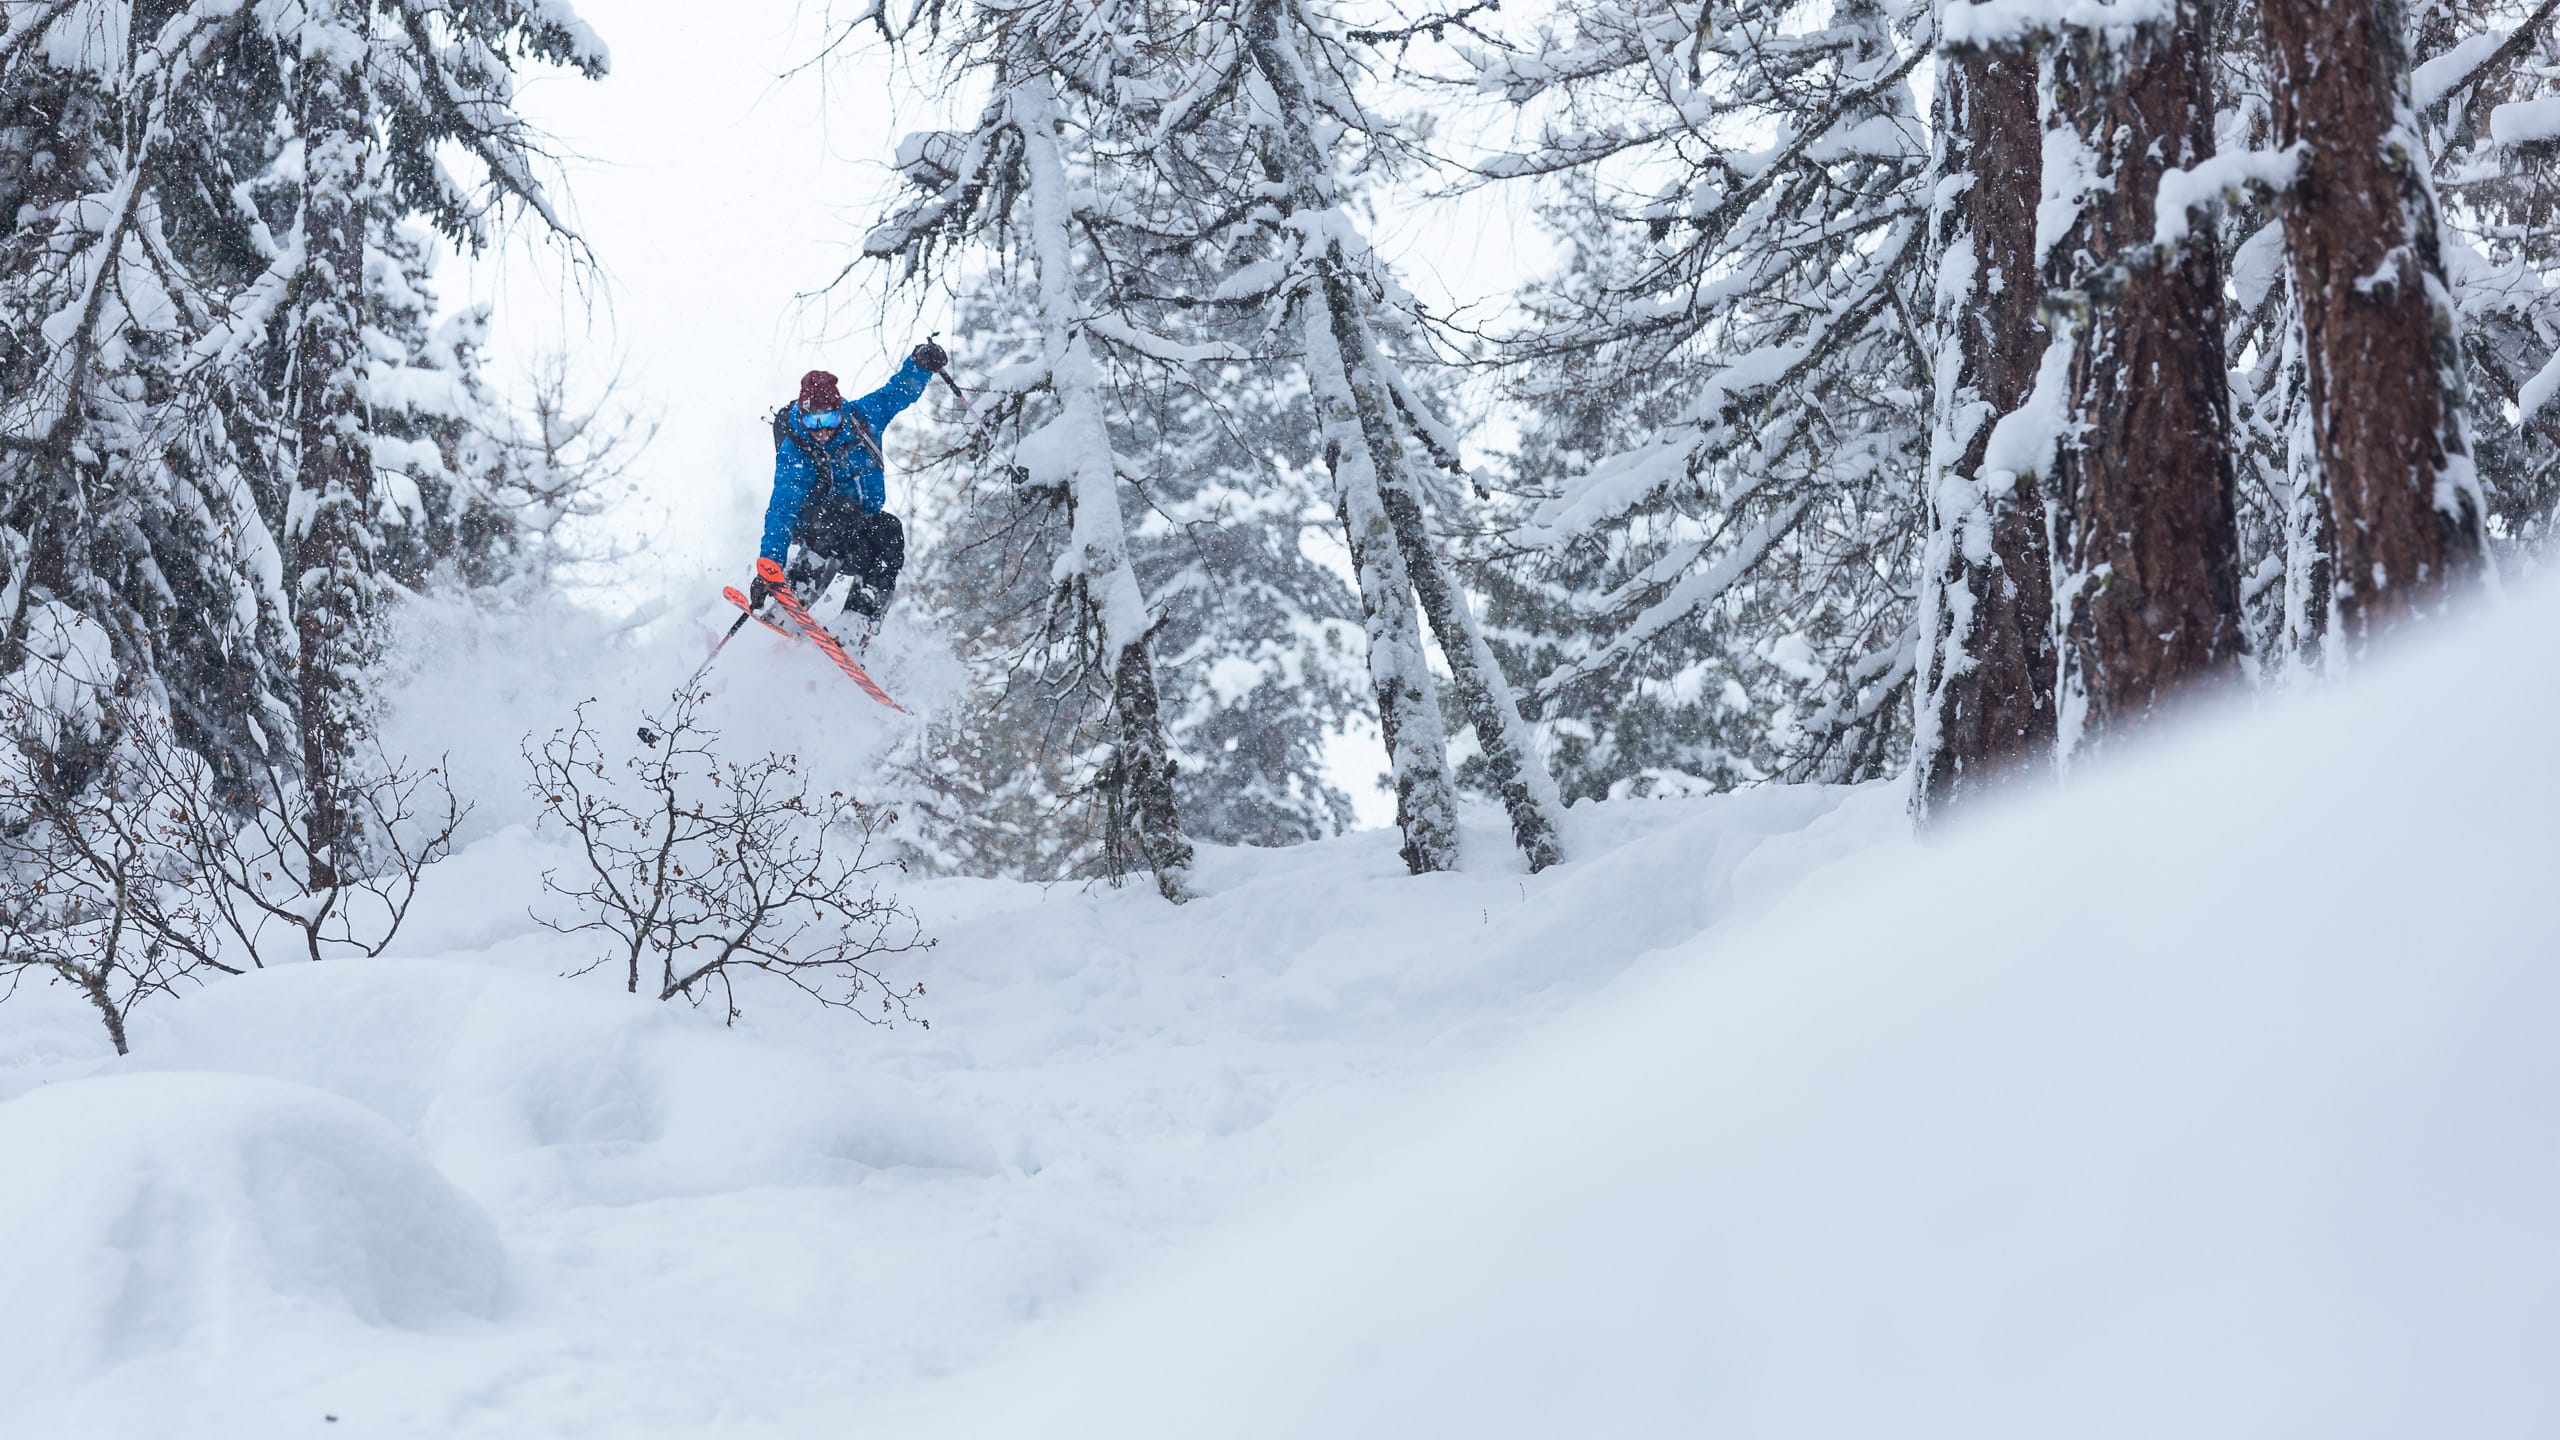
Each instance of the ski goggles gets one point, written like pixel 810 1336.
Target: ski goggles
pixel 825 421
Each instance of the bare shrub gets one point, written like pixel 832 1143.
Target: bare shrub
pixel 125 875
pixel 698 868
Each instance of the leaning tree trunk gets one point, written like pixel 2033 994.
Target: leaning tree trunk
pixel 333 485
pixel 1986 692
pixel 2381 344
pixel 2147 593
pixel 1408 696
pixel 1349 373
pixel 1098 544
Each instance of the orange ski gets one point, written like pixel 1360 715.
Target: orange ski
pixel 771 574
pixel 734 597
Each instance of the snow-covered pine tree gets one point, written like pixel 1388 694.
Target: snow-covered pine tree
pixel 2382 358
pixel 1737 346
pixel 2136 419
pixel 1230 530
pixel 1259 637
pixel 1372 416
pixel 330 525
pixel 174 201
pixel 1012 183
pixel 139 486
pixel 1984 702
pixel 2501 252
pixel 379 90
pixel 1074 452
pixel 1205 120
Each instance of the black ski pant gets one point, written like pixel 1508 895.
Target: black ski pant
pixel 838 537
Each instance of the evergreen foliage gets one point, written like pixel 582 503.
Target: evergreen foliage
pixel 171 181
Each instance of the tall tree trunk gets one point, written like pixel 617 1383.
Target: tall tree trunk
pixel 2147 594
pixel 333 489
pixel 1518 772
pixel 2380 337
pixel 1099 542
pixel 2310 569
pixel 1149 772
pixel 1986 690
pixel 1399 671
pixel 1352 377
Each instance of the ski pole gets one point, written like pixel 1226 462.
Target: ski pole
pixel 649 736
pixel 970 410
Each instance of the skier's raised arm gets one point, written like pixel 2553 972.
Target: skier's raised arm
pixel 886 403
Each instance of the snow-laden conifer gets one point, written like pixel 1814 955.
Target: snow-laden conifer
pixel 1734 357
pixel 2129 424
pixel 1984 704
pixel 1012 181
pixel 1372 417
pixel 207 225
pixel 2494 213
pixel 1223 193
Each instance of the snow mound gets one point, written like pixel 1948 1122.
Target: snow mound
pixel 2212 1096
pixel 146 1213
pixel 532 1091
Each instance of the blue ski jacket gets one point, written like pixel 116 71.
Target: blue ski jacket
pixel 802 460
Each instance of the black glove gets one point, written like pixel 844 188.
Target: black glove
pixel 931 356
pixel 757 593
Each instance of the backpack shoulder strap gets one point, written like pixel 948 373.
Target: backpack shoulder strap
pixel 861 429
pixel 786 429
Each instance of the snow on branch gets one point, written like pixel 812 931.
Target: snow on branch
pixel 2538 391
pixel 2008 24
pixel 2184 192
pixel 2523 123
pixel 1694 592
pixel 1622 483
pixel 1157 347
pixel 2431 83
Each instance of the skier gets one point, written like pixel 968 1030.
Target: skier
pixel 830 490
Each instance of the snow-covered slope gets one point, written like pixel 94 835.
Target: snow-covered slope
pixel 2211 1097
pixel 804 1226
pixel 2216 1097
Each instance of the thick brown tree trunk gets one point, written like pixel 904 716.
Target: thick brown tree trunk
pixel 2148 594
pixel 2380 347
pixel 333 484
pixel 1991 675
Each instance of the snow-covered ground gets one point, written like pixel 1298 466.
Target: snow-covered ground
pixel 2214 1096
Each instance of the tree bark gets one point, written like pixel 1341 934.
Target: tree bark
pixel 1399 672
pixel 1989 644
pixel 2148 597
pixel 92 985
pixel 1519 775
pixel 1149 769
pixel 335 587
pixel 2381 344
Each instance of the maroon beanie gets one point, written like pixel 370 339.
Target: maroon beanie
pixel 818 391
